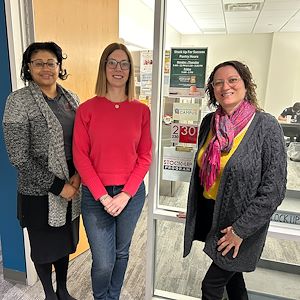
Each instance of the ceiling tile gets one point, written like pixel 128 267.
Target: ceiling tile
pixel 214 25
pixel 204 8
pixel 275 15
pixel 241 21
pixel 282 5
pixel 250 14
pixel 241 1
pixel 196 2
pixel 208 15
pixel 202 23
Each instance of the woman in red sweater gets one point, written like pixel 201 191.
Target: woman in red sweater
pixel 112 153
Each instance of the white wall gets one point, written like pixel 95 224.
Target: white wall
pixel 137 24
pixel 283 88
pixel 252 49
pixel 17 35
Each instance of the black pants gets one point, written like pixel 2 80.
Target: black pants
pixel 215 281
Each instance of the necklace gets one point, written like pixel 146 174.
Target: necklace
pixel 116 104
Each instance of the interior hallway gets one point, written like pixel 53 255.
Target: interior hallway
pixel 174 273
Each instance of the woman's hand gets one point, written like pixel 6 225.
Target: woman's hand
pixel 68 192
pixel 228 241
pixel 181 215
pixel 114 206
pixel 75 181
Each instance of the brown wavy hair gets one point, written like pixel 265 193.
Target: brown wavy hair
pixel 246 76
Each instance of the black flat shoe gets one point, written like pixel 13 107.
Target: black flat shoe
pixel 55 297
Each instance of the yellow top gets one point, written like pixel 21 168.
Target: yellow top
pixel 213 191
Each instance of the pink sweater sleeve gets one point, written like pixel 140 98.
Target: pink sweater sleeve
pixel 144 153
pixel 81 150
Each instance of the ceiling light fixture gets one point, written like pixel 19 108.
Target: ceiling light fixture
pixel 240 7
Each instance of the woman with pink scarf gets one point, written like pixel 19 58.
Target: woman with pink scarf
pixel 238 181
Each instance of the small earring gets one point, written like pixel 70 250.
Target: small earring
pixel 28 70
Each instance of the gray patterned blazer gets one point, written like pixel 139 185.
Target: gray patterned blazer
pixel 34 141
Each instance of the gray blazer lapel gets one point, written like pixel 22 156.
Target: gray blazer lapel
pixel 71 97
pixel 57 160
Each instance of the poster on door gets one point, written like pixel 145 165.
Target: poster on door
pixel 146 57
pixel 177 165
pixel 186 111
pixel 187 76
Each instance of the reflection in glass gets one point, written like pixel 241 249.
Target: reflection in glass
pixel 174 273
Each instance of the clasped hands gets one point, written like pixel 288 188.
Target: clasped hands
pixel 71 188
pixel 115 205
pixel 229 240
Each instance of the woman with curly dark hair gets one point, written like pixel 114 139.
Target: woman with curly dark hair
pixel 238 180
pixel 38 129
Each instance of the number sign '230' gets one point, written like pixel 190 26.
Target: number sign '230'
pixel 184 133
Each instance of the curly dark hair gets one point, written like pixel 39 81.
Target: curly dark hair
pixel 246 76
pixel 45 46
pixel 296 107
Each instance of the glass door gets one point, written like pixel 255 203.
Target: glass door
pixel 176 115
pixel 178 106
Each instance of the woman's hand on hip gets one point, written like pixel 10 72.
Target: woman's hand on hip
pixel 229 240
pixel 117 204
pixel 68 192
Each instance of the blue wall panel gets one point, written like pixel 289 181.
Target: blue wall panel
pixel 10 231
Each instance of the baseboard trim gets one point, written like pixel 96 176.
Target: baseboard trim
pixel 262 296
pixel 14 276
pixel 279 266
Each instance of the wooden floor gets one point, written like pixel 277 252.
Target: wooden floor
pixel 173 273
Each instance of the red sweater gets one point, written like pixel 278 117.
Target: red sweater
pixel 112 146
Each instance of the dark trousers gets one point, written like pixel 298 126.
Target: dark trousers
pixel 215 281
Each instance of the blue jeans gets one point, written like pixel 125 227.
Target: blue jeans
pixel 109 238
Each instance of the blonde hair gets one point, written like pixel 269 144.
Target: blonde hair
pixel 101 84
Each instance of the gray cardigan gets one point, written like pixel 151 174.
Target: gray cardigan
pixel 34 141
pixel 252 186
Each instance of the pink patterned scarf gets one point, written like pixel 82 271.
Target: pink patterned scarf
pixel 224 128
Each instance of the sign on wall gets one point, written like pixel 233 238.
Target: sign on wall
pixel 286 217
pixel 188 66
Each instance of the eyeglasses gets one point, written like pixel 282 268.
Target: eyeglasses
pixel 112 64
pixel 232 81
pixel 39 64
